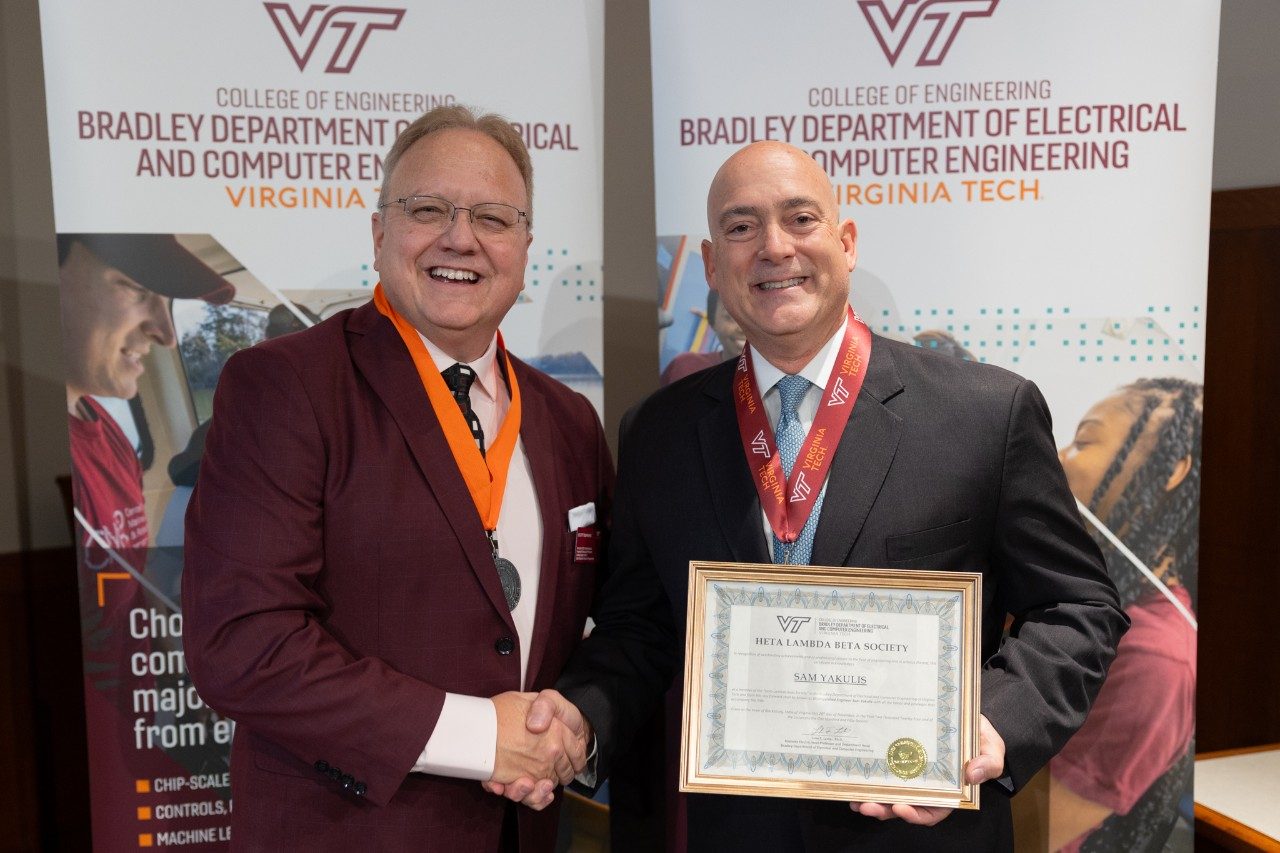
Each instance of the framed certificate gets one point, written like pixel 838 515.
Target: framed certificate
pixel 831 683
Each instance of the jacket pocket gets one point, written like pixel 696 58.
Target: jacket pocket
pixel 924 543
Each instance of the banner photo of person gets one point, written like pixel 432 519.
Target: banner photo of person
pixel 1016 207
pixel 207 200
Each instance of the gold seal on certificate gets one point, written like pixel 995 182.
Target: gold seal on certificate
pixel 906 758
pixel 831 683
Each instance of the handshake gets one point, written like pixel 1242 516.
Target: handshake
pixel 543 741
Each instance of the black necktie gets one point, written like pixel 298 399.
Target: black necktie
pixel 459 378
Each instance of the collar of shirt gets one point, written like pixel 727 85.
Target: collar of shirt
pixel 489 403
pixel 817 371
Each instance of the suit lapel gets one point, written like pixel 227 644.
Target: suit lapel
pixel 733 492
pixel 379 354
pixel 536 430
pixel 861 464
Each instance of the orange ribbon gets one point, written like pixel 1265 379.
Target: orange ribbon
pixel 485 476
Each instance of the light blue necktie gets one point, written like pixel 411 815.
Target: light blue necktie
pixel 788 436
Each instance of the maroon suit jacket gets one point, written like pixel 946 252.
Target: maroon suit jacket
pixel 338 582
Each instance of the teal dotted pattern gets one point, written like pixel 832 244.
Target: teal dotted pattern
pixel 1006 334
pixel 550 270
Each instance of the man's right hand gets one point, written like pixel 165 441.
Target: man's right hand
pixel 543 733
pixel 554 751
pixel 988 764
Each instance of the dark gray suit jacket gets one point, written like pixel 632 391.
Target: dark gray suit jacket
pixel 944 465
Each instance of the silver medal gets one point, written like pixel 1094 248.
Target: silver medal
pixel 510 577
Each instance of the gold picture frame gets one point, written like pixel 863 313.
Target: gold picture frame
pixel 804 704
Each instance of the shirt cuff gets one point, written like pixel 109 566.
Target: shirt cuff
pixel 590 773
pixel 464 742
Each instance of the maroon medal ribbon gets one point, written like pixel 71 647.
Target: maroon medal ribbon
pixel 788 503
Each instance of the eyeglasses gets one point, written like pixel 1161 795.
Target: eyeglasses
pixel 437 214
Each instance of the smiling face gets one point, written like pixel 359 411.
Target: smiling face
pixel 779 256
pixel 455 285
pixel 109 322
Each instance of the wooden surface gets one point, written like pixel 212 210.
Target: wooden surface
pixel 586 823
pixel 1245 210
pixel 1228 834
pixel 1238 689
pixel 1215 830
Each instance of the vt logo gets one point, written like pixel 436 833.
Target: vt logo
pixel 940 22
pixel 839 393
pixel 792 624
pixel 350 27
pixel 759 445
pixel 802 489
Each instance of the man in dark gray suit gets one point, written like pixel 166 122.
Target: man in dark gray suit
pixel 943 464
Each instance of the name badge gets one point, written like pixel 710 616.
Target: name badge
pixel 586 545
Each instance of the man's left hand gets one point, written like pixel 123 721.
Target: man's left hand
pixel 987 764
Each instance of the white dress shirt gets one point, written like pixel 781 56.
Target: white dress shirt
pixel 465 740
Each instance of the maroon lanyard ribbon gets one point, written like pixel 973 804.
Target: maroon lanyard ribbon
pixel 788 502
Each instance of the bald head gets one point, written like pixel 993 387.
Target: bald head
pixel 779 257
pixel 759 161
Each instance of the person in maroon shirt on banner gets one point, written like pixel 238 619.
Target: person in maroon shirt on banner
pixel 116 295
pixel 1135 464
pixel 395 538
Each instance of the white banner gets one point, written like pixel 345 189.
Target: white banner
pixel 1031 187
pixel 227 158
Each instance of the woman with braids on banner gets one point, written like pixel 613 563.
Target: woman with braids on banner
pixel 1135 464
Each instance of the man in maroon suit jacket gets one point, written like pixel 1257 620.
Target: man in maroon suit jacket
pixel 344 594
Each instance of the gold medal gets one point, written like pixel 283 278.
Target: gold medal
pixel 906 758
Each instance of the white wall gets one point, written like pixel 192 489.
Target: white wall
pixel 1246 139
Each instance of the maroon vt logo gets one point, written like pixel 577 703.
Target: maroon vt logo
pixel 938 23
pixel 347 28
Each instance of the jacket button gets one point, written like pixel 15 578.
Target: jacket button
pixel 504 646
pixel 347 780
pixel 334 773
pixel 322 766
pixel 359 789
